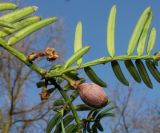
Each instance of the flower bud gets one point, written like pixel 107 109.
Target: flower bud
pixel 51 54
pixel 92 94
pixel 44 95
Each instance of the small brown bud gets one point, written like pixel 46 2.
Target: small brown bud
pixel 51 54
pixel 32 56
pixel 93 95
pixel 44 95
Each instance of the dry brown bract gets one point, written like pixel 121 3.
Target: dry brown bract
pixel 44 95
pixel 50 53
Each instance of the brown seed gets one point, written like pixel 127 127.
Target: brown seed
pixel 93 95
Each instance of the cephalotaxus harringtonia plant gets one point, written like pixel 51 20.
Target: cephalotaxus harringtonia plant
pixel 19 24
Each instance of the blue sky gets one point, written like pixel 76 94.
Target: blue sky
pixel 94 14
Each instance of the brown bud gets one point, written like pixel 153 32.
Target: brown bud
pixel 51 54
pixel 44 95
pixel 32 56
pixel 93 95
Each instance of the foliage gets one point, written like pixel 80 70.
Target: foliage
pixel 17 113
pixel 65 111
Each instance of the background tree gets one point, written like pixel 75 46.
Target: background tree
pixel 65 72
pixel 17 113
pixel 133 112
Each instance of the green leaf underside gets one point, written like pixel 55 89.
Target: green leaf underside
pixel 63 129
pixel 95 113
pixel 143 73
pixel 111 31
pixel 7 6
pixel 132 70
pixel 151 40
pixel 118 73
pixel 153 70
pixel 71 128
pixel 94 128
pixel 73 76
pixel 74 95
pixel 52 122
pixel 90 114
pixel 6 24
pixel 104 113
pixel 18 14
pixel 137 31
pixel 19 25
pixel 94 77
pixel 59 102
pixel 83 107
pixel 78 40
pixel 76 56
pixel 66 121
pixel 99 126
pixel 88 127
pixel 29 30
pixel 143 37
pixel 40 84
